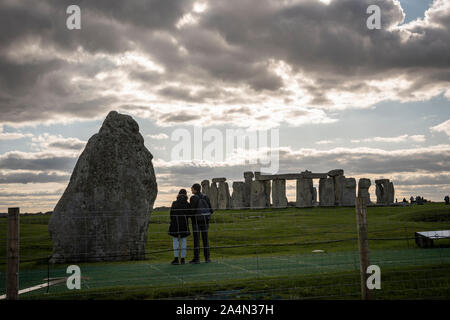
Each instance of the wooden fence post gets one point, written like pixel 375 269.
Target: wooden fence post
pixel 12 273
pixel 363 245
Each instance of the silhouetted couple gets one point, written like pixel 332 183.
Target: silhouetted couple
pixel 199 211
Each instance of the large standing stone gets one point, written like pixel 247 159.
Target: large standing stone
pixel 384 191
pixel 260 194
pixel 326 192
pixel 248 176
pixel 214 195
pixel 305 193
pixel 339 185
pixel 238 196
pixel 363 189
pixel 205 187
pixel 391 193
pixel 223 198
pixel 104 212
pixel 279 199
pixel 349 194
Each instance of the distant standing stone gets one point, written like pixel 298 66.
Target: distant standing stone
pixel 214 195
pixel 363 189
pixel 238 195
pixel 248 176
pixel 260 194
pixel 326 192
pixel 205 187
pixel 349 193
pixel 104 212
pixel 305 193
pixel 279 199
pixel 223 198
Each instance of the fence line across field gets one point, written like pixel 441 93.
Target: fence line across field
pixel 263 259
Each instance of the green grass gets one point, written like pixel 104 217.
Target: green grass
pixel 245 238
pixel 411 282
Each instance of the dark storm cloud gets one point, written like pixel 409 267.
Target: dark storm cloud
pixel 21 161
pixel 371 161
pixel 29 177
pixel 438 179
pixel 409 167
pixel 232 43
pixel 104 22
pixel 179 117
pixel 178 94
pixel 67 145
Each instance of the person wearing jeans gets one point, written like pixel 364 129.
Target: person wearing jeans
pixel 201 212
pixel 179 226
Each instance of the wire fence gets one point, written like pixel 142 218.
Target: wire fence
pixel 287 253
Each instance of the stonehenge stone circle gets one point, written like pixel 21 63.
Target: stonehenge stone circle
pixel 279 199
pixel 335 189
pixel 104 212
pixel 363 189
pixel 305 193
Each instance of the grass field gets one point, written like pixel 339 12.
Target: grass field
pixel 260 253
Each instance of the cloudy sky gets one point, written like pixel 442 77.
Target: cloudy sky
pixel 373 102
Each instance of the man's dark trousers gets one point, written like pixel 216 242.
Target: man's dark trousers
pixel 200 225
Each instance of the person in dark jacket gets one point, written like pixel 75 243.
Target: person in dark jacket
pixel 201 212
pixel 179 226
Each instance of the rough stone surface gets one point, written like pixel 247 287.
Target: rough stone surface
pixel 260 193
pixel 326 192
pixel 205 187
pixel 391 193
pixel 214 195
pixel 336 172
pixel 267 192
pixel 238 196
pixel 339 183
pixel 384 191
pixel 223 198
pixel 248 176
pixel 314 195
pixel 349 194
pixel 363 189
pixel 219 179
pixel 305 193
pixel 279 199
pixel 104 212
